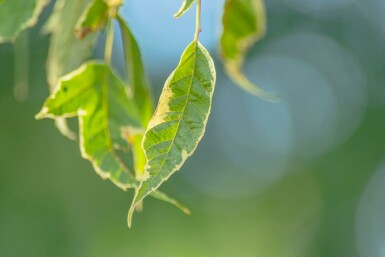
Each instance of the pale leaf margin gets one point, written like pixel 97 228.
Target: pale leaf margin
pixel 186 5
pixel 44 113
pixel 40 4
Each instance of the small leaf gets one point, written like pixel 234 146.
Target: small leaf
pixel 165 198
pixel 66 52
pixel 244 23
pixel 98 97
pixel 180 119
pixel 135 73
pixel 94 18
pixel 18 15
pixel 186 5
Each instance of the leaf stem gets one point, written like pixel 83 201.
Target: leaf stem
pixel 21 87
pixel 109 42
pixel 198 21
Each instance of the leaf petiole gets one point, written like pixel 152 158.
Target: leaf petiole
pixel 109 42
pixel 198 21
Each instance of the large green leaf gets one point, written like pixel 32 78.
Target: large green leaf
pixel 186 5
pixel 244 23
pixel 18 15
pixel 179 121
pixel 138 81
pixel 66 51
pixel 98 97
pixel 135 73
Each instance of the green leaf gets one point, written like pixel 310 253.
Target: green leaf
pixel 98 97
pixel 66 52
pixel 179 121
pixel 244 23
pixel 18 15
pixel 186 5
pixel 94 18
pixel 135 73
pixel 137 80
pixel 165 198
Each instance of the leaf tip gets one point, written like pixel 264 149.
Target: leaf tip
pixel 132 208
pixel 178 14
pixel 184 8
pixel 242 81
pixel 186 211
pixel 272 97
pixel 42 114
pixel 130 214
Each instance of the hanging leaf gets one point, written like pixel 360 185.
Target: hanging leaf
pixel 18 15
pixel 66 52
pixel 99 99
pixel 138 81
pixel 135 73
pixel 244 23
pixel 186 5
pixel 165 198
pixel 179 121
pixel 94 18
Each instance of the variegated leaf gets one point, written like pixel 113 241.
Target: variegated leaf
pixel 179 121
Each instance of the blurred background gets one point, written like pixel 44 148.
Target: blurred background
pixel 303 177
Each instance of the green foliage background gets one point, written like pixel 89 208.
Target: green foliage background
pixel 52 204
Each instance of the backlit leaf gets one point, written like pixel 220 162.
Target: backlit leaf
pixel 179 121
pixel 18 15
pixel 186 5
pixel 135 73
pixel 94 18
pixel 99 99
pixel 244 23
pixel 165 198
pixel 66 52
